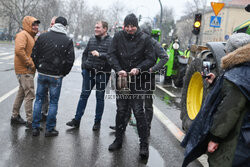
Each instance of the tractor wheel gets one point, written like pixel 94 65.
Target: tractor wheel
pixel 195 88
pixel 192 93
pixel 178 79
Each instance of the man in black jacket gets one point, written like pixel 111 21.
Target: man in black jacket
pixel 53 56
pixel 131 52
pixel 149 77
pixel 95 71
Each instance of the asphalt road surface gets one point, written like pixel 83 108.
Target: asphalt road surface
pixel 83 147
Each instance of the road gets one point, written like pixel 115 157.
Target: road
pixel 83 147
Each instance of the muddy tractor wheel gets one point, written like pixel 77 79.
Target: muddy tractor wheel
pixel 192 93
pixel 195 88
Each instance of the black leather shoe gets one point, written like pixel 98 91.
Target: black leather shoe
pixel 96 126
pixel 36 131
pixel 116 145
pixel 73 123
pixel 28 125
pixel 51 133
pixel 144 153
pixel 17 120
pixel 112 127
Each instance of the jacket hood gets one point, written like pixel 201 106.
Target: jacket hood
pixel 58 27
pixel 239 56
pixel 27 24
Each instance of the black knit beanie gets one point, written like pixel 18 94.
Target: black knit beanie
pixel 131 20
pixel 61 20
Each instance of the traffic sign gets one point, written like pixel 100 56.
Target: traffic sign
pixel 226 37
pixel 215 21
pixel 217 7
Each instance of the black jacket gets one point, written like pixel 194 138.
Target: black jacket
pixel 159 53
pixel 131 51
pixel 53 54
pixel 92 62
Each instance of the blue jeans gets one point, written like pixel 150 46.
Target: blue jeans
pixel 43 84
pixel 90 79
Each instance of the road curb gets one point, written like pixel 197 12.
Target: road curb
pixel 162 89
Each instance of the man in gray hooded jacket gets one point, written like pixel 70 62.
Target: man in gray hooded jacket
pixel 53 56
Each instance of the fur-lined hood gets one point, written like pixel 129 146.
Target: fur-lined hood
pixel 239 56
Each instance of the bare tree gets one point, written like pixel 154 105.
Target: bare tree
pixel 195 6
pixel 167 22
pixel 15 10
pixel 18 9
pixel 90 18
pixel 44 13
pixel 115 13
pixel 185 29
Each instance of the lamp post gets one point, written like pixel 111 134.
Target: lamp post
pixel 160 15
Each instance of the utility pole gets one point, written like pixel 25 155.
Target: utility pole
pixel 160 15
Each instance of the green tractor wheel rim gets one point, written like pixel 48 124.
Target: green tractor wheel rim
pixel 194 95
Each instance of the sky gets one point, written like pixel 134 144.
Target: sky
pixel 147 8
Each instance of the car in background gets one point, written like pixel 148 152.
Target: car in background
pixel 80 44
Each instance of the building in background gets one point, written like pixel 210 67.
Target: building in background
pixel 232 15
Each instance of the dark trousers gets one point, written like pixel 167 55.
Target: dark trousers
pixel 148 105
pixel 123 113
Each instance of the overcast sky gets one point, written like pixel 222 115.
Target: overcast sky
pixel 147 8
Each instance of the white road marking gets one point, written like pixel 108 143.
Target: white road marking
pixel 5 96
pixel 7 57
pixel 169 93
pixel 6 53
pixel 176 132
pixel 78 61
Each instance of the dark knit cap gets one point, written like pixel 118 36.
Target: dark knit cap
pixel 61 20
pixel 131 20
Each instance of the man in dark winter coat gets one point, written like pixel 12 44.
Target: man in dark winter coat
pixel 45 106
pixel 150 76
pixel 162 55
pixel 131 53
pixel 222 125
pixel 53 56
pixel 95 71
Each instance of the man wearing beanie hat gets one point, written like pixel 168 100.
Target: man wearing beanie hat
pixel 53 56
pixel 226 137
pixel 131 52
pixel 131 20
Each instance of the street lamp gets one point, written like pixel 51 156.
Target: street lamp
pixel 160 15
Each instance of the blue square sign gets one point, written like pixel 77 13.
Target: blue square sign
pixel 215 21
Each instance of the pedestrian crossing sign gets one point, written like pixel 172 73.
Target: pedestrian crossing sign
pixel 215 21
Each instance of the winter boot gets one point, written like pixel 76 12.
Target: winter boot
pixel 17 120
pixel 144 153
pixel 73 123
pixel 96 126
pixel 116 145
pixel 51 133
